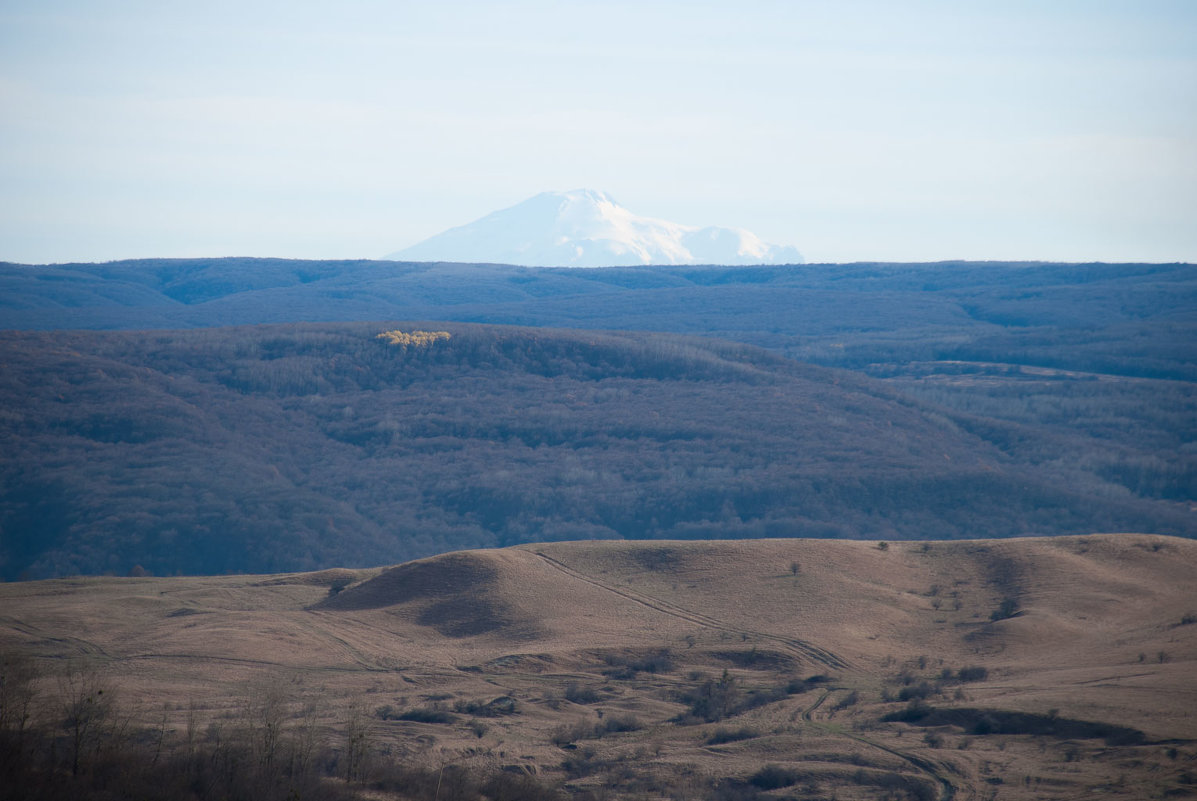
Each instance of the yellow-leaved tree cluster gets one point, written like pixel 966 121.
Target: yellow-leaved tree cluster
pixel 417 339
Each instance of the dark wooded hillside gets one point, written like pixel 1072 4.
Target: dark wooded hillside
pixel 278 448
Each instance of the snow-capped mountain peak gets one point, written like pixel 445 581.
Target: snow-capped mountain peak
pixel 585 228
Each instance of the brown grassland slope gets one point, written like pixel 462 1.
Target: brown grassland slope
pixel 1011 669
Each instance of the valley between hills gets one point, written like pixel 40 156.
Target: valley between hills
pixel 1036 668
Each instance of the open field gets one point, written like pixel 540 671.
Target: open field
pixel 1009 669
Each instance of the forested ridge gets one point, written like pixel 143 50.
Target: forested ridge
pixel 1122 319
pixel 300 446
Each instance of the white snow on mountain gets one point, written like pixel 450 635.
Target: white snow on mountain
pixel 584 228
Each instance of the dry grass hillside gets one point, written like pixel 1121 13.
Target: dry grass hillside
pixel 1011 669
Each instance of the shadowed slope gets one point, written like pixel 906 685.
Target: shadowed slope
pixel 454 594
pixel 448 576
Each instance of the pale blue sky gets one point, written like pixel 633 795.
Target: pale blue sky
pixel 854 130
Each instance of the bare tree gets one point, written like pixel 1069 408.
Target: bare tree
pixel 192 727
pixel 263 715
pixel 18 698
pixel 305 739
pixel 357 740
pixel 87 702
pixel 18 691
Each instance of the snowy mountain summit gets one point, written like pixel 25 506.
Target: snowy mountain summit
pixel 584 228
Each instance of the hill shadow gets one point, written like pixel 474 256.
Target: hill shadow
pixel 455 594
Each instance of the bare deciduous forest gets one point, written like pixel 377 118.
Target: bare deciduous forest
pixel 984 400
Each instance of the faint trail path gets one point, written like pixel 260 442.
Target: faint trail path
pixel 810 710
pixel 801 647
pixel 947 790
pixel 236 660
pixel 363 661
pixel 84 647
pixel 933 770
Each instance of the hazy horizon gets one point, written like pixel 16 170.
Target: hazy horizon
pixel 859 131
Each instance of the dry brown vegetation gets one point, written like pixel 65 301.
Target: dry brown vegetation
pixel 1013 669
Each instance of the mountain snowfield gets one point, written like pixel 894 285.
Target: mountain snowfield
pixel 585 228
